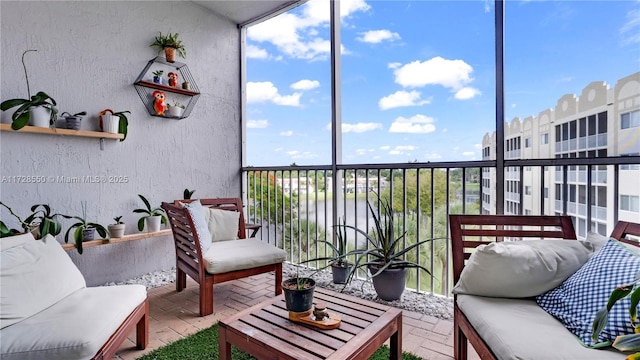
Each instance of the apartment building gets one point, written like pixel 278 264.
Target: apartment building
pixel 601 122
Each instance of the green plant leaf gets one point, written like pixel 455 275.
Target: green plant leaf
pixel 619 293
pixel 141 223
pixel 77 238
pixel 635 299
pixel 8 104
pixel 599 322
pixel 629 342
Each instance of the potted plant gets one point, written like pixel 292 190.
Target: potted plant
pixel 298 293
pixel 43 220
pixel 340 265
pixel 153 218
pixel 176 109
pixel 384 259
pixel 171 45
pixel 157 76
pixel 116 230
pixel 74 121
pixel 114 122
pixel 39 109
pixel 84 230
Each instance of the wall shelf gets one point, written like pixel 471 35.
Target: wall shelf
pixel 66 132
pixel 145 87
pixel 130 237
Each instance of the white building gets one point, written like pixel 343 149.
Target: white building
pixel 600 122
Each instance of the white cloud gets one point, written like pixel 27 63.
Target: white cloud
pixel 630 30
pixel 364 151
pixel 468 153
pixel 417 124
pixel 477 146
pixel 296 154
pixel 394 65
pixel 385 147
pixel 254 52
pixel 378 36
pixel 260 92
pixel 452 74
pixel 286 133
pixel 467 93
pixel 432 156
pixel 257 124
pixel 305 85
pixel 297 35
pixel 401 98
pixel 360 127
pixel 402 150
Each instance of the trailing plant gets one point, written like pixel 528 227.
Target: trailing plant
pixel 629 342
pixel 149 212
pixel 81 225
pixel 169 40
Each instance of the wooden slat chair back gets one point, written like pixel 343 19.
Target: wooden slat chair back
pixel 189 260
pixel 471 231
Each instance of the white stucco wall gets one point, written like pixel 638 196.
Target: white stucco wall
pixel 89 54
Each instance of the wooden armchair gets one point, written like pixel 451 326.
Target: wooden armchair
pixel 471 231
pixel 190 261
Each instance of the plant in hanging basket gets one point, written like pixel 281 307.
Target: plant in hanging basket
pixel 169 41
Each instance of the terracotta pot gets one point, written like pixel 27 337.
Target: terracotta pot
pixel 170 54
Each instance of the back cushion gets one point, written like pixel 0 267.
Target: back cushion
pixel 34 274
pixel 223 224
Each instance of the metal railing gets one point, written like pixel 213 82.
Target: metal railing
pixel 296 206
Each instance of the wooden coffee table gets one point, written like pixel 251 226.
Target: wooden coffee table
pixel 266 332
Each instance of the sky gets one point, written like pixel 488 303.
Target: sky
pixel 418 77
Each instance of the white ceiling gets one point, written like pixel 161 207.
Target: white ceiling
pixel 241 11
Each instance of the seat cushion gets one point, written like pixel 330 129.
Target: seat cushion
pixel 232 255
pixel 34 274
pixel 521 269
pixel 74 328
pixel 520 329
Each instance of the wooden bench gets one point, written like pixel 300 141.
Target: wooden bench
pixel 471 231
pixel 189 260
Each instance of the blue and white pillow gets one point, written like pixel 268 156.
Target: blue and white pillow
pixel 577 300
pixel 202 230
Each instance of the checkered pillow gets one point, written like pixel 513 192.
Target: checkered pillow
pixel 202 230
pixel 577 300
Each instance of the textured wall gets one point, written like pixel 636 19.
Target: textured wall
pixel 89 54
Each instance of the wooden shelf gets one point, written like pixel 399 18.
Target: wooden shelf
pixel 130 237
pixel 67 132
pixel 176 90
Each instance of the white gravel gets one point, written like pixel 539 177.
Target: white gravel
pixel 434 305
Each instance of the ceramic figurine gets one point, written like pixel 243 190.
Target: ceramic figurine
pixel 173 79
pixel 158 103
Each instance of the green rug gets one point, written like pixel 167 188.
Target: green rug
pixel 203 345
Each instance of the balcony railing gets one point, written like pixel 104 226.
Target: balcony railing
pixel 298 205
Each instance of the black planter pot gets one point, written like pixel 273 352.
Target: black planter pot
pixel 73 122
pixel 298 300
pixel 340 273
pixel 389 284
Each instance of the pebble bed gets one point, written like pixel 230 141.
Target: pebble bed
pixel 434 305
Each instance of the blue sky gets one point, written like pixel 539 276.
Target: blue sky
pixel 418 77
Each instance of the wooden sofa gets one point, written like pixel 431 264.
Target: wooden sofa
pixel 48 312
pixel 471 231
pixel 235 253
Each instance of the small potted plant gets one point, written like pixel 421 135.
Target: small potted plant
pixel 176 109
pixel 38 110
pixel 171 45
pixel 340 266
pixel 43 221
pixel 116 230
pixel 114 122
pixel 153 218
pixel 74 121
pixel 298 293
pixel 157 76
pixel 84 230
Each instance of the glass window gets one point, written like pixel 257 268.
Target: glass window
pixel 582 127
pixel 630 119
pixel 544 138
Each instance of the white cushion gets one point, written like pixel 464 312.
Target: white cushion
pixel 232 255
pixel 34 274
pixel 577 300
pixel 202 230
pixel 74 328
pixel 595 241
pixel 520 269
pixel 223 224
pixel 520 329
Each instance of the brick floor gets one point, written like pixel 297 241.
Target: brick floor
pixel 174 315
